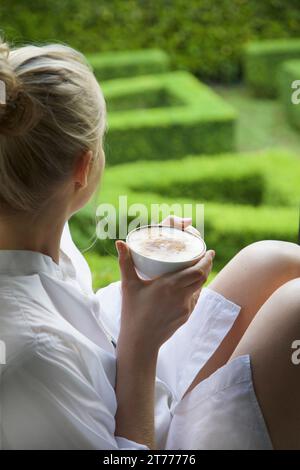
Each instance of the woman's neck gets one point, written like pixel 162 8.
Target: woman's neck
pixel 41 234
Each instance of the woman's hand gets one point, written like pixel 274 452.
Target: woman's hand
pixel 177 222
pixel 152 310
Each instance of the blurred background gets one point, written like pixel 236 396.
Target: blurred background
pixel 199 109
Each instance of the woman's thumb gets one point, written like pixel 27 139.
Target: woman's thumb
pixel 128 271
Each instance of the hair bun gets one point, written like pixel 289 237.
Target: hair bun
pixel 18 111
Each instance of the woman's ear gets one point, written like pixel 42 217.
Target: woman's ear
pixel 82 169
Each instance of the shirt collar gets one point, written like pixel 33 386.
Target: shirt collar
pixel 26 262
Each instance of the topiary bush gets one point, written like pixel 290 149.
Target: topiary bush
pixel 208 183
pixel 128 63
pixel 139 99
pixel 262 61
pixel 290 72
pixel 193 119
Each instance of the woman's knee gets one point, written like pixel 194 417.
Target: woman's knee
pixel 256 272
pixel 277 323
pixel 272 247
pixel 273 255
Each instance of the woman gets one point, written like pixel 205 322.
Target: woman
pixel 180 374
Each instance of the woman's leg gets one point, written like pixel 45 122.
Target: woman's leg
pixel 248 280
pixel 276 376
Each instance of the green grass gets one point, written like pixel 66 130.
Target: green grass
pixel 261 123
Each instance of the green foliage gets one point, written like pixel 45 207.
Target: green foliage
pixel 261 123
pixel 219 182
pixel 105 269
pixel 262 62
pixel 156 98
pixel 201 36
pixel 229 224
pixel 277 171
pixel 288 73
pixel 128 63
pixel 231 228
pixel 202 123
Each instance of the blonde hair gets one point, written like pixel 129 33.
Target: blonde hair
pixel 54 110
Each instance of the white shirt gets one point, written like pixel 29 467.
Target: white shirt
pixel 57 387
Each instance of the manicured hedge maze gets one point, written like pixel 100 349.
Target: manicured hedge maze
pixel 254 197
pixel 176 115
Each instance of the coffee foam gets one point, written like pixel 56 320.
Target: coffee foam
pixel 165 244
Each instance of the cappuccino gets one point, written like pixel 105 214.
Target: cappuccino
pixel 167 244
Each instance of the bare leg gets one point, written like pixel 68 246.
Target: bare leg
pixel 276 379
pixel 248 280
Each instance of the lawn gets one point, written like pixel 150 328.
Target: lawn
pixel 261 123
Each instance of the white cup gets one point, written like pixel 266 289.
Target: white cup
pixel 149 268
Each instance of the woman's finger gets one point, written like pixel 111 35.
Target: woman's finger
pixel 193 290
pixel 177 222
pixel 128 272
pixel 196 273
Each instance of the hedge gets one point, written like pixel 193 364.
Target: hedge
pixel 277 171
pixel 198 120
pixel 155 98
pixel 229 224
pixel 201 36
pixel 228 227
pixel 128 63
pixel 262 61
pixel 208 182
pixel 105 269
pixel 288 73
